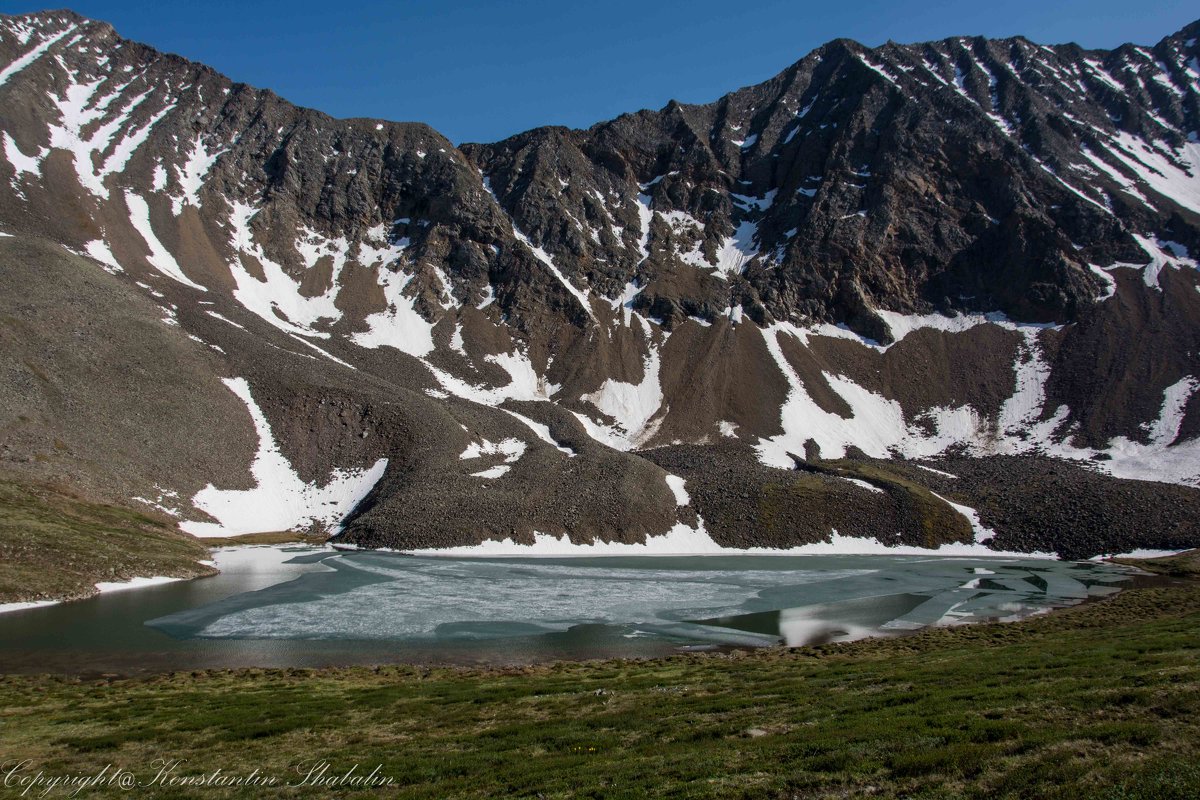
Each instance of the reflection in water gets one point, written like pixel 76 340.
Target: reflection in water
pixel 310 607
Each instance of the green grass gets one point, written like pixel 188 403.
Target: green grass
pixel 55 545
pixel 779 499
pixel 271 537
pixel 937 522
pixel 1102 700
pixel 1183 565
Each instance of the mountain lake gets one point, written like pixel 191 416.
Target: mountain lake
pixel 303 606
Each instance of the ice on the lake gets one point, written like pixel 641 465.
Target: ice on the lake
pixel 723 599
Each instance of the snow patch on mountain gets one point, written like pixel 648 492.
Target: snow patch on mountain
pixel 1022 429
pixel 1163 255
pixel 541 255
pixel 524 382
pixel 737 250
pixel 192 174
pixel 676 485
pixel 399 325
pixel 380 248
pixel 23 61
pixel 99 250
pixel 645 216
pixel 682 540
pixel 1160 458
pixel 511 449
pixel 632 405
pixel 983 534
pixel 901 325
pixel 276 298
pixel 21 163
pixel 1173 173
pixel 541 431
pixel 548 261
pixel 160 257
pixel 78 107
pixel 134 583
pixel 312 246
pixel 1110 283
pixel 876 426
pixel 280 500
pixel 870 487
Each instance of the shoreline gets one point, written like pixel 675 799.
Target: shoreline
pixel 505 549
pixel 854 718
pixel 1143 575
pixel 1146 576
pixel 840 546
pixel 102 587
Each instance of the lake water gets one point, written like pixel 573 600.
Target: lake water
pixel 303 607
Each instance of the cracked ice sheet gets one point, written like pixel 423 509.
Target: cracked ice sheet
pixel 280 500
pixel 440 597
pixel 409 598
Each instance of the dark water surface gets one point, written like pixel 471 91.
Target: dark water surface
pixel 306 607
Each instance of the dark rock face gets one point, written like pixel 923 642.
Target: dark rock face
pixel 1044 504
pixel 955 175
pixel 797 268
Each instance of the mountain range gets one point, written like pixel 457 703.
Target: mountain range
pixel 925 295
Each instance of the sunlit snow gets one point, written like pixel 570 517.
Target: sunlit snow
pixel 280 500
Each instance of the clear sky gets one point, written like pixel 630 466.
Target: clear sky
pixel 481 71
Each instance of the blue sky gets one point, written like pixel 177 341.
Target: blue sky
pixel 481 71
